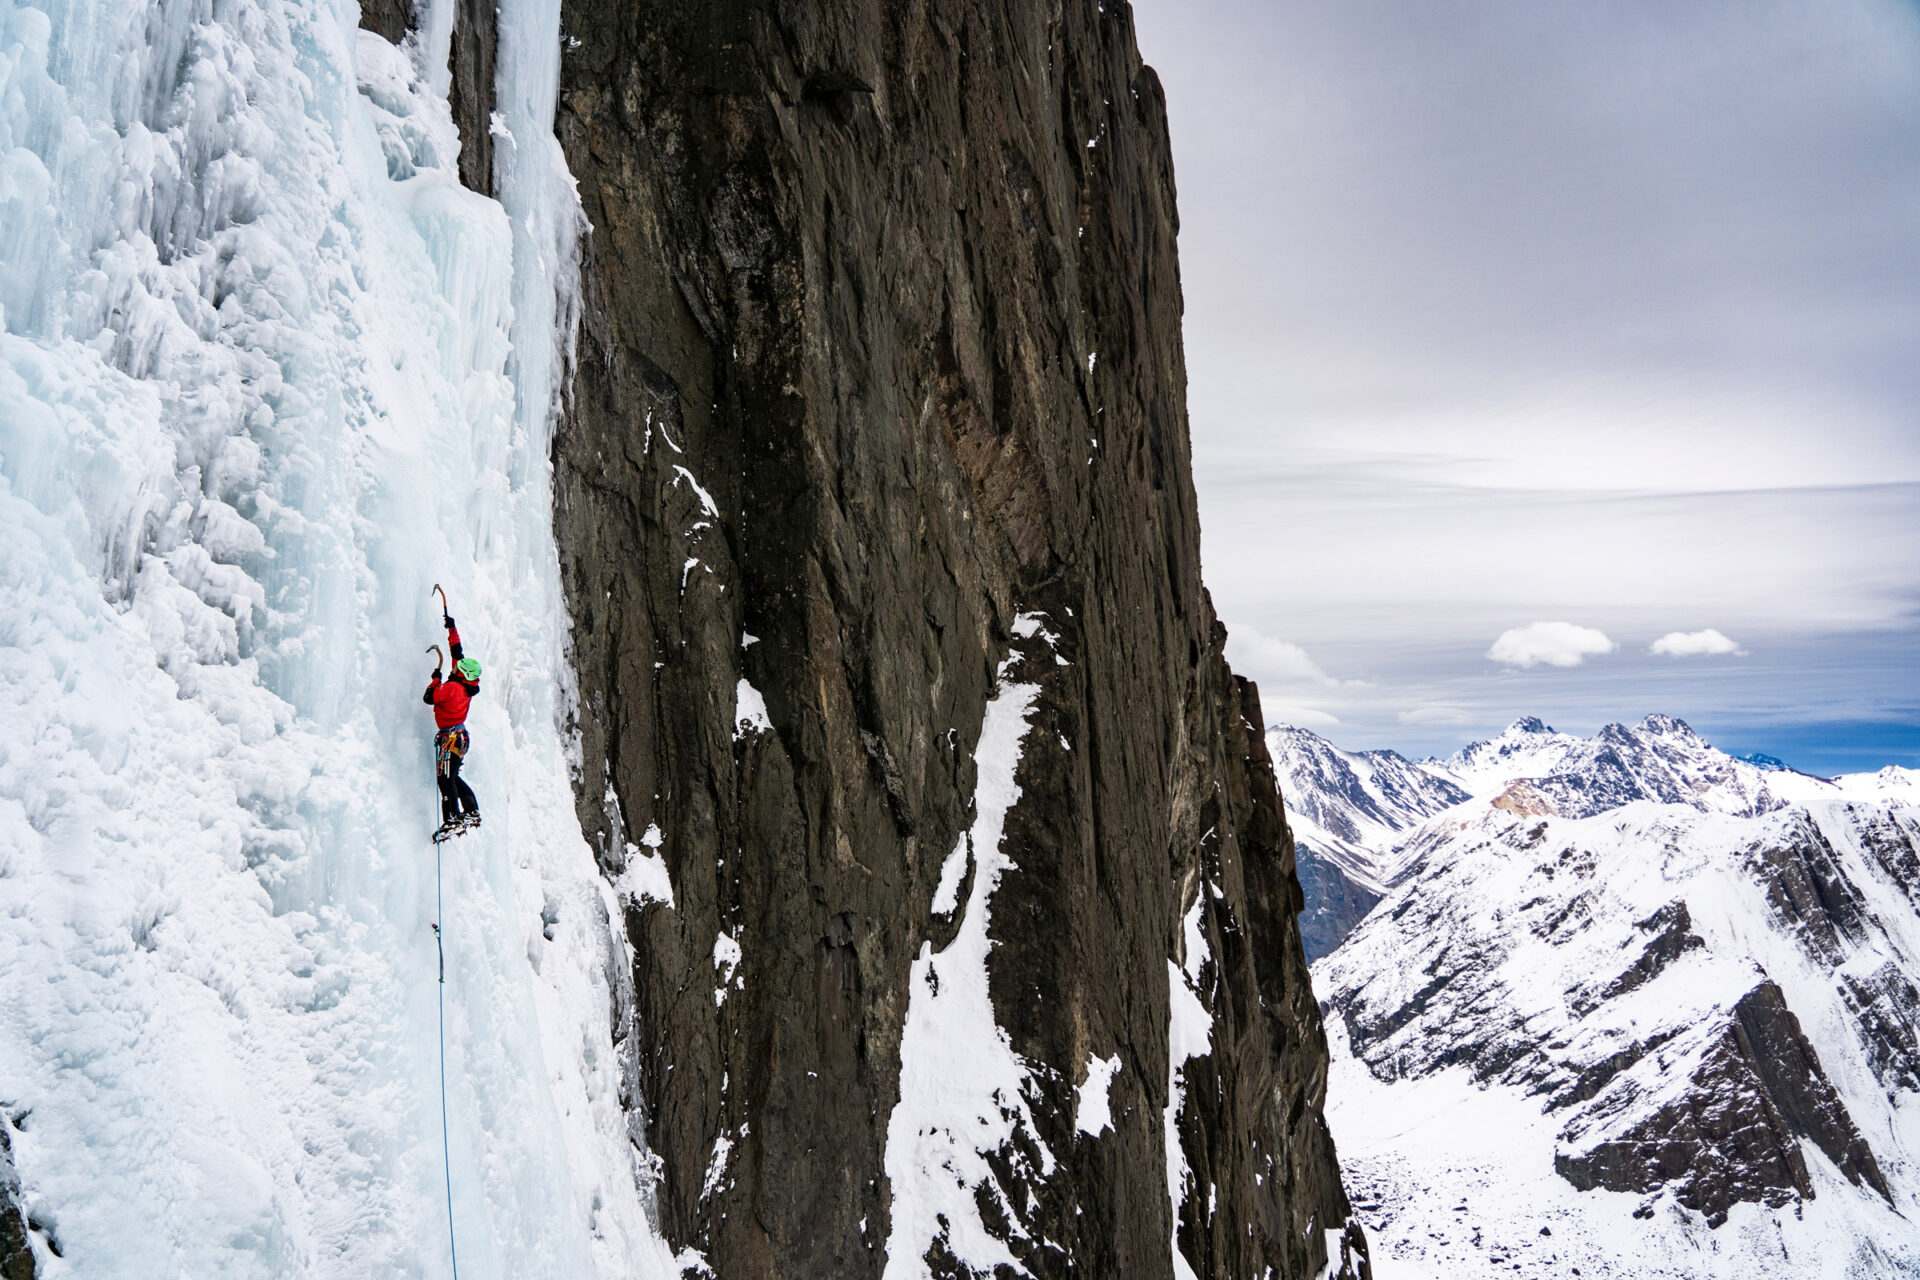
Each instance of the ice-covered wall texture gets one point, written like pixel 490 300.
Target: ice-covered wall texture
pixel 268 373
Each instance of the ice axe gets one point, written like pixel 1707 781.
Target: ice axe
pixel 438 660
pixel 444 611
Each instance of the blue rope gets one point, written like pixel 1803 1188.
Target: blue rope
pixel 446 1156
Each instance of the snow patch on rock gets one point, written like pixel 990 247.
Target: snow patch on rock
pixel 1092 1111
pixel 947 1122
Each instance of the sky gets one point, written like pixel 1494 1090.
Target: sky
pixel 1557 358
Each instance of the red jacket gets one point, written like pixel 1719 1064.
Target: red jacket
pixel 449 698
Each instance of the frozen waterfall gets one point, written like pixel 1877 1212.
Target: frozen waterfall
pixel 267 373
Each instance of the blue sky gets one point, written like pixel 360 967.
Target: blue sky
pixel 1599 315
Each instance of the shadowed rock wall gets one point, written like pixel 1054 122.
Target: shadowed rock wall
pixel 389 19
pixel 881 350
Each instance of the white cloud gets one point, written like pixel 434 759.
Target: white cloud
pixel 1553 644
pixel 1260 656
pixel 1694 644
pixel 1435 715
pixel 1301 717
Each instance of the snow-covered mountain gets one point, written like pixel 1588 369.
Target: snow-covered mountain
pixel 1360 819
pixel 1350 812
pixel 1660 759
pixel 1639 1009
pixel 1356 804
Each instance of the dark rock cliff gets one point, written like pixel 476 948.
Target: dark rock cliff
pixel 881 351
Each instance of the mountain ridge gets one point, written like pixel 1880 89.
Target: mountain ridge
pixel 1356 840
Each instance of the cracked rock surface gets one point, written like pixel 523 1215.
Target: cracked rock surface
pixel 879 410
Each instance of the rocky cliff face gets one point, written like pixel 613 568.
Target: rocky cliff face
pixel 16 1254
pixel 879 415
pixel 1732 1132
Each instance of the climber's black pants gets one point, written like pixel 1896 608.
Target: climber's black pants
pixel 456 797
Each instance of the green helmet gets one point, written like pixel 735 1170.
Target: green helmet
pixel 468 669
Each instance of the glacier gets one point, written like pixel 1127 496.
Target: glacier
pixel 267 374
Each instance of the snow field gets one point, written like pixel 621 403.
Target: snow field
pixel 268 373
pixel 1452 1180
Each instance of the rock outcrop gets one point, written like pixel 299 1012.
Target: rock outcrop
pixel 16 1252
pixel 879 388
pixel 391 20
pixel 1732 1131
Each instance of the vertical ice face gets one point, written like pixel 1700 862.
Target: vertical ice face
pixel 268 373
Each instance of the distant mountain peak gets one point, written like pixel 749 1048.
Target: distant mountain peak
pixel 1659 723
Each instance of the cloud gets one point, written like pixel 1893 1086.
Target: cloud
pixel 1486 319
pixel 1435 715
pixel 1554 644
pixel 1694 644
pixel 1254 653
pixel 1301 717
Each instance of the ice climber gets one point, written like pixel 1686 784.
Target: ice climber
pixel 459 811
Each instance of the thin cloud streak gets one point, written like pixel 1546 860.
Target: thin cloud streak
pixel 1529 310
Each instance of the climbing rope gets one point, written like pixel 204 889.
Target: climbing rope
pixel 446 1150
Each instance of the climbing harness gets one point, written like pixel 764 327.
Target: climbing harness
pixel 446 1146
pixel 451 745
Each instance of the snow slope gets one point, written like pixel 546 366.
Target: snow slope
pixel 948 1122
pixel 267 374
